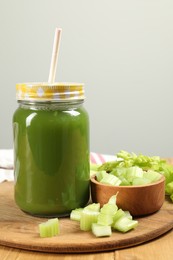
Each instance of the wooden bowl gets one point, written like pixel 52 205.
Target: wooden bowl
pixel 139 200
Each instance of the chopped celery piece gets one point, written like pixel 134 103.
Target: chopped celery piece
pixel 93 207
pixel 120 213
pixel 101 231
pixel 49 228
pixel 127 214
pixel 88 217
pixel 124 181
pixel 107 212
pixel 119 171
pixel 76 214
pixel 152 175
pixel 133 172
pixel 109 209
pixel 169 188
pixel 110 179
pixel 55 225
pixel 140 181
pixel 113 199
pixel 45 230
pixel 100 175
pixel 105 219
pixel 167 171
pixel 94 167
pixel 125 224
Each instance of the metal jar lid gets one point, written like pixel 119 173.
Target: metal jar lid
pixel 43 91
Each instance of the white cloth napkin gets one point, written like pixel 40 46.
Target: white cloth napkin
pixel 6 175
pixel 6 159
pixel 6 163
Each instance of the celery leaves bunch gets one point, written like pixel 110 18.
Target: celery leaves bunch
pixel 146 163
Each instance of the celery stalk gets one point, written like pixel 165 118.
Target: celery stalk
pixel 76 214
pixel 49 228
pixel 107 212
pixel 88 217
pixel 110 179
pixel 140 181
pixel 169 188
pixel 119 171
pixel 128 215
pixel 124 181
pixel 102 220
pixel 100 175
pixel 93 207
pixel 134 172
pixel 105 219
pixel 126 160
pixel 113 199
pixel 120 213
pixel 55 225
pixel 125 224
pixel 109 209
pixel 153 176
pixel 101 231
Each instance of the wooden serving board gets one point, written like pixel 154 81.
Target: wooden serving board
pixel 20 230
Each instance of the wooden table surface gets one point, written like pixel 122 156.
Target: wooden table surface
pixel 160 248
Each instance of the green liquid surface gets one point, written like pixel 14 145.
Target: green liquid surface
pixel 51 160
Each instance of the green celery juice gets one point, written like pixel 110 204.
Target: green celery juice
pixel 51 148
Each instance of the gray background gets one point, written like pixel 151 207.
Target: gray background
pixel 121 50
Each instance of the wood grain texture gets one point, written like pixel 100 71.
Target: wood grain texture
pixel 7 253
pixel 160 249
pixel 19 230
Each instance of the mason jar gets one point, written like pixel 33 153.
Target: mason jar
pixel 51 148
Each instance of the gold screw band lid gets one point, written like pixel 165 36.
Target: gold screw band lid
pixel 43 91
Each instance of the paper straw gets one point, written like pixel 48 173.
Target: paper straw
pixel 55 52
